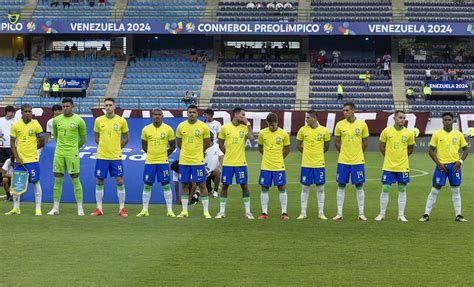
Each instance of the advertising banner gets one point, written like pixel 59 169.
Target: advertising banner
pixel 68 83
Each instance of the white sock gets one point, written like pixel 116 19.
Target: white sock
pixel 169 200
pixel 79 206
pixel 247 204
pixel 456 196
pixel 384 198
pixel 121 196
pixel 304 198
pixel 16 201
pixel 99 195
pixel 264 198
pixel 340 199
pixel 360 200
pixel 222 203
pixel 283 200
pixel 184 202
pixel 56 205
pixel 402 202
pixel 146 199
pixel 205 203
pixel 38 194
pixel 431 200
pixel 321 197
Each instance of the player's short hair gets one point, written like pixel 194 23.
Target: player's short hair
pixel 156 110
pixel 313 114
pixel 447 114
pixel 109 99
pixel 272 118
pixel 349 104
pixel 192 107
pixel 26 106
pixel 398 112
pixel 56 107
pixel 67 100
pixel 209 112
pixel 237 110
pixel 9 109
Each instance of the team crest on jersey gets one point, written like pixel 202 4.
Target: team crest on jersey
pixel 72 125
pixel 278 140
pixel 163 135
pixel 455 140
pixel 115 127
pixel 357 131
pixel 404 138
pixel 197 132
pixel 320 137
pixel 241 134
pixel 30 132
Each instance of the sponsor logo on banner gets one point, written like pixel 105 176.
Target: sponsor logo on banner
pixel 173 27
pixel 13 18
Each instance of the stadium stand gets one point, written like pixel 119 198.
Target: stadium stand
pixel 165 9
pixel 439 11
pixel 10 71
pixel 162 80
pixel 362 11
pixel 7 6
pixel 324 83
pixel 244 82
pixel 79 9
pixel 238 11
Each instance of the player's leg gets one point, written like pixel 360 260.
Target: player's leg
pixel 73 165
pixel 358 179
pixel 265 182
pixel 403 178
pixel 149 172
pixel 388 178
pixel 199 176
pixel 320 181
pixel 279 179
pixel 306 179
pixel 116 170
pixel 342 178
pixel 101 171
pixel 217 182
pixel 6 187
pixel 163 176
pixel 184 179
pixel 241 177
pixel 455 179
pixel 226 179
pixel 439 180
pixel 34 174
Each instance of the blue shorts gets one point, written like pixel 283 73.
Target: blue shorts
pixel 266 177
pixel 33 171
pixel 240 172
pixel 455 177
pixel 197 172
pixel 159 171
pixel 311 175
pixel 391 177
pixel 105 166
pixel 357 172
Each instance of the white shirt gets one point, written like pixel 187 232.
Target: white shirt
pixel 336 54
pixel 7 167
pixel 5 129
pixel 386 66
pixel 49 127
pixel 215 128
pixel 250 5
pixel 211 158
pixel 279 6
pixel 428 72
pixel 288 5
pixel 271 6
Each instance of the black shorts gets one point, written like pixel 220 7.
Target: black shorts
pixel 209 181
pixel 5 153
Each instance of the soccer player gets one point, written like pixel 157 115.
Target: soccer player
pixel 313 141
pixel 26 138
pixel 274 145
pixel 155 140
pixel 444 151
pixel 193 138
pixel 232 139
pixel 67 129
pixel 111 136
pixel 57 110
pixel 215 127
pixel 396 145
pixel 351 141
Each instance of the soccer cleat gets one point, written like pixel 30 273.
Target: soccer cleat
pixel 143 213
pixel 53 212
pixel 220 215
pixel 123 213
pixel 183 214
pixel 170 213
pixel 362 217
pixel 13 211
pixel 302 216
pixel 249 215
pixel 424 218
pixel 263 216
pixel 460 218
pixel 322 216
pixel 38 212
pixel 207 215
pixel 337 217
pixel 402 218
pixel 194 200
pixel 97 212
pixel 379 217
pixel 80 212
pixel 285 216
pixel 214 194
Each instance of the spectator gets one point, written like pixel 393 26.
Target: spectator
pixel 378 66
pixel 46 88
pixel 268 68
pixel 66 48
pixel 387 57
pixel 270 5
pixel 7 171
pixel 5 149
pixel 101 3
pixel 428 74
pixel 367 79
pixel 131 58
pixel 452 74
pixel 427 91
pixel 193 98
pixel 279 6
pixel 204 58
pixel 20 56
pixel 57 110
pixel 445 76
pixel 220 58
pixel 340 93
pixel 186 98
pixel 74 47
pixel 259 5
pixel 241 52
pixel 84 89
pixel 335 56
pixel 263 51
pixel 250 5
pixel 321 62
pixel 410 93
pixel 55 89
pixel 103 48
pixel 386 69
pixel 312 58
pixel 91 3
pixel 447 54
pixel 54 3
pixel 193 54
pixel 288 6
pixel 322 52
pixel 277 52
pixel 66 3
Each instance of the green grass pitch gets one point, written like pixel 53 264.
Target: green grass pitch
pixel 69 250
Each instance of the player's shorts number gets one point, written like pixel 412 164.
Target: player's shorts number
pixel 360 174
pixel 241 174
pixel 200 172
pixel 321 175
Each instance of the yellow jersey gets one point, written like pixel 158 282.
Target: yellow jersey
pixel 396 148
pixel 110 132
pixel 26 135
pixel 192 142
pixel 313 145
pixel 157 139
pixel 273 143
pixel 234 140
pixel 351 135
pixel 447 145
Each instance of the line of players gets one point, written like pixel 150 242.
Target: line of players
pixel 193 137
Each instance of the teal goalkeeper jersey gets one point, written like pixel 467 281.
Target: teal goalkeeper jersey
pixel 66 131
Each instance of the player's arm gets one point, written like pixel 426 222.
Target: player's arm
pixel 382 148
pixel 250 134
pixel 299 145
pixel 337 143
pixel 222 145
pixel 365 143
pixel 434 157
pixel 14 151
pixel 286 151
pixel 171 148
pixel 124 141
pixel 82 134
pixel 326 146
pixel 410 149
pixel 465 153
pixel 40 140
pixel 260 148
pixel 96 137
pixel 145 145
pixel 179 142
pixel 55 131
pixel 207 143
